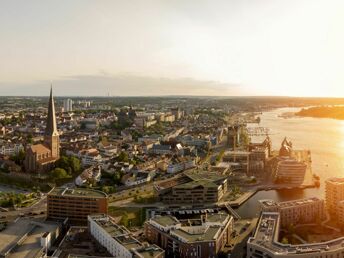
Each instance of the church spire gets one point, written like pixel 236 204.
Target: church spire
pixel 51 128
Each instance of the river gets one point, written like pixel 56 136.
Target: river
pixel 324 137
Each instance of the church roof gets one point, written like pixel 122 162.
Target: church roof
pixel 51 128
pixel 39 148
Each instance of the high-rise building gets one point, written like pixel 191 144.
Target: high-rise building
pixel 41 157
pixel 68 105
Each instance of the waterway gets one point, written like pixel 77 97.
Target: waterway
pixel 324 137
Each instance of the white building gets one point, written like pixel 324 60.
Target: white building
pixel 93 173
pixel 290 171
pixel 11 149
pixel 264 243
pixel 181 166
pixel 67 105
pixel 117 239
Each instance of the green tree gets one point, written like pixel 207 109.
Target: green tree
pixel 30 139
pixel 71 164
pixel 125 219
pixel 19 158
pixel 123 157
pixel 75 164
pixel 58 173
pixel 117 176
pixel 285 241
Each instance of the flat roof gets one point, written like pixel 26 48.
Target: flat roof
pixel 266 236
pixel 77 192
pixel 150 251
pixel 208 234
pixel 194 228
pixel 31 245
pixel 293 203
pixel 165 220
pixel 335 180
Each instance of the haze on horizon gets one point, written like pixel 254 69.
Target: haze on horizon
pixel 195 47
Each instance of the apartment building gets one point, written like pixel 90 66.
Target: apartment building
pixel 264 243
pixel 117 239
pixel 75 204
pixel 201 235
pixel 297 211
pixel 334 194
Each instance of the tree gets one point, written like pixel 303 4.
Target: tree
pixel 125 219
pixel 70 164
pixel 75 164
pixel 30 139
pixel 58 173
pixel 19 158
pixel 285 241
pixel 123 157
pixel 63 162
pixel 117 176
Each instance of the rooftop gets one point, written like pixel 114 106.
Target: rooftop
pixel 194 227
pixel 335 180
pixel 165 220
pixel 293 203
pixel 77 192
pixel 31 245
pixel 123 236
pixel 148 252
pixel 266 236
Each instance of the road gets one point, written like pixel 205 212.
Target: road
pixel 38 207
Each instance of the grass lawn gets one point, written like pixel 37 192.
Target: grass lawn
pixel 130 216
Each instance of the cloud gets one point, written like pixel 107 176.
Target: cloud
pixel 122 85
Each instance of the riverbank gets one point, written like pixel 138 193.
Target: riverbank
pixel 333 112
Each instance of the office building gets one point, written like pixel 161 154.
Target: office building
pixel 75 204
pixel 192 188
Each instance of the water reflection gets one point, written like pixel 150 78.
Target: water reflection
pixel 325 139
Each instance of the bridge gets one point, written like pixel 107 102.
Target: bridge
pixel 234 213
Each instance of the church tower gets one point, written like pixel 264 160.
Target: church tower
pixel 51 135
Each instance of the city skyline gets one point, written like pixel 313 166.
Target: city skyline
pixel 155 48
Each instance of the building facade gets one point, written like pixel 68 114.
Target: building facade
pixel 192 188
pixel 67 105
pixel 264 243
pixel 203 237
pixel 75 204
pixel 297 211
pixel 290 171
pixel 117 239
pixel 334 194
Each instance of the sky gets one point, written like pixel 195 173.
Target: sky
pixel 172 47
